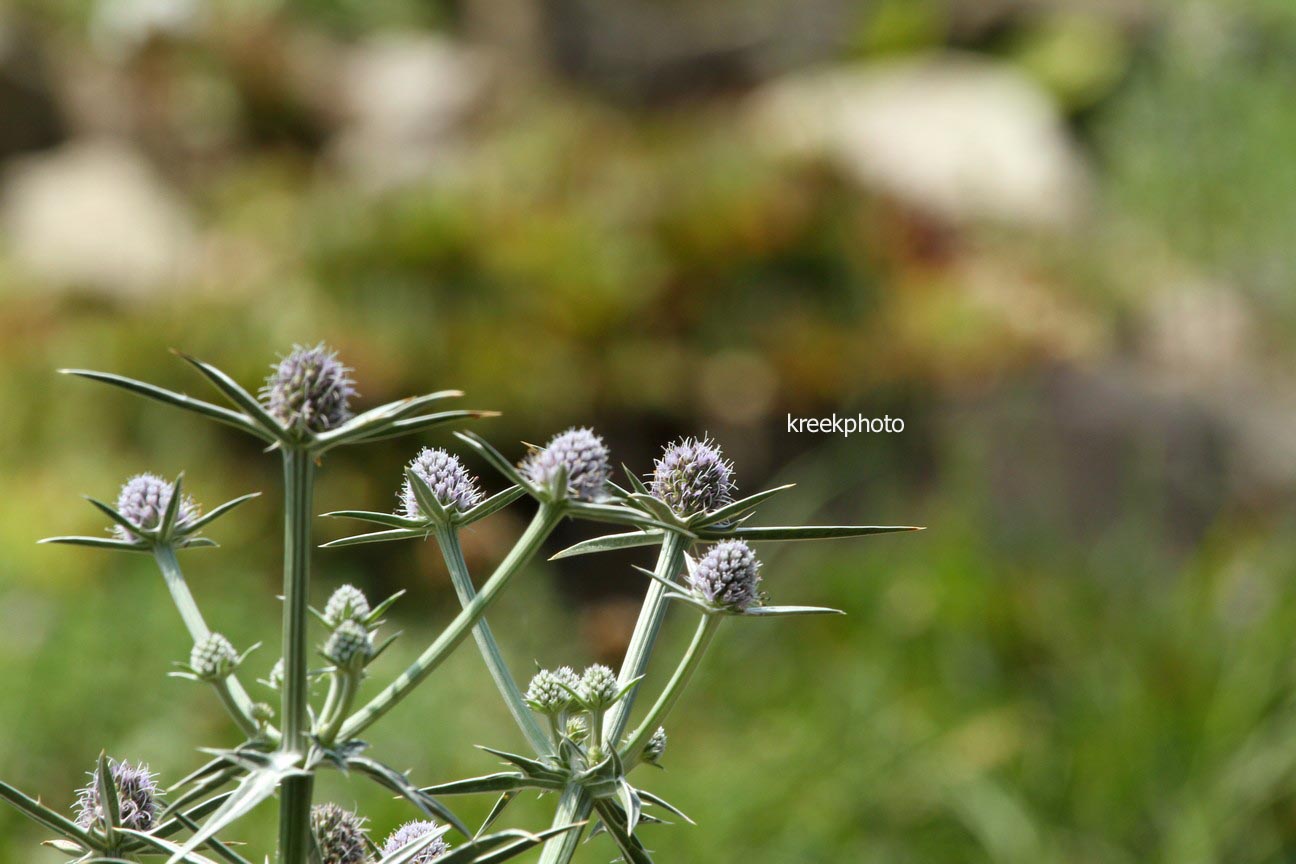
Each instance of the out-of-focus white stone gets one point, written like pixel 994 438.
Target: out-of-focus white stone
pixel 404 100
pixel 957 137
pixel 94 215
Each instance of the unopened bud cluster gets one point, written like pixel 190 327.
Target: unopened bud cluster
pixel 213 657
pixel 347 603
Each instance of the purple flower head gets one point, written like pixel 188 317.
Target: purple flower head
pixel 727 576
pixel 340 835
pixel 454 487
pixel 136 798
pixel 692 476
pixel 411 831
pixel 582 453
pixel 143 500
pixel 309 390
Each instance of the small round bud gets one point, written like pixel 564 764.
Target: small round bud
pixel 411 831
pixel 727 576
pixel 577 728
pixel 143 500
pixel 546 693
pixel 656 746
pixel 454 487
pixel 349 645
pixel 347 603
pixel 213 657
pixel 582 453
pixel 136 798
pixel 262 713
pixel 340 835
pixel 598 686
pixel 309 390
pixel 693 477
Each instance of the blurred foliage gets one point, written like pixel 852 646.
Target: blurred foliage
pixel 1088 657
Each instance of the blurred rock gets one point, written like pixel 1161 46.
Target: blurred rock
pixel 122 27
pixel 30 118
pixel 94 215
pixel 405 99
pixel 955 137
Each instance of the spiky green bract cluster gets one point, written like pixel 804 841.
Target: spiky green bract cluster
pixel 727 576
pixel 340 835
pixel 143 500
pixel 136 797
pixel 578 452
pixel 309 390
pixel 347 603
pixel 411 831
pixel 655 747
pixel 350 645
pixel 550 690
pixel 692 476
pixel 453 485
pixel 213 657
pixel 598 687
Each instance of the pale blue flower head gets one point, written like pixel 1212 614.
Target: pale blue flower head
pixel 453 485
pixel 136 798
pixel 692 476
pixel 309 390
pixel 411 831
pixel 581 453
pixel 143 500
pixel 727 576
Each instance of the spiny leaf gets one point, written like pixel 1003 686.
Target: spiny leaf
pixel 734 509
pixel 214 412
pixel 610 542
pixel 803 532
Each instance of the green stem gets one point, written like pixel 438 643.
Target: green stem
pixel 537 532
pixel 295 793
pixel 575 804
pixel 448 538
pixel 347 684
pixel 232 695
pixel 702 637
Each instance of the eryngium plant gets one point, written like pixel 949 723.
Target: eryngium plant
pixel 578 726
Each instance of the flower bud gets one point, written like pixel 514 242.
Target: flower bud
pixel 262 713
pixel 693 477
pixel 577 728
pixel 584 456
pixel 727 576
pixel 454 487
pixel 144 499
pixel 347 603
pixel 213 657
pixel 598 686
pixel 655 747
pixel 136 798
pixel 350 645
pixel 309 390
pixel 411 831
pixel 546 693
pixel 340 835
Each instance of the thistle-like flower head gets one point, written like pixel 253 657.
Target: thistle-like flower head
pixel 349 645
pixel 347 603
pixel 411 831
pixel 340 834
pixel 584 456
pixel 136 798
pixel 598 686
pixel 309 390
pixel 692 476
pixel 455 488
pixel 213 657
pixel 577 728
pixel 547 694
pixel 727 576
pixel 143 500
pixel 655 747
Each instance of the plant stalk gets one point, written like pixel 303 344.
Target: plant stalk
pixel 575 804
pixel 528 544
pixel 295 793
pixel 448 539
pixel 232 695
pixel 702 637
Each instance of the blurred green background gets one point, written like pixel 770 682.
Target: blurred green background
pixel 1052 236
